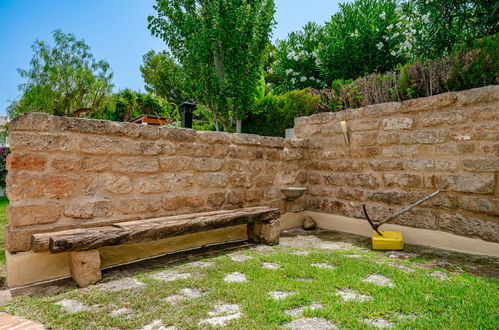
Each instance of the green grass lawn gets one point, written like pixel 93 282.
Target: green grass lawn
pixel 416 300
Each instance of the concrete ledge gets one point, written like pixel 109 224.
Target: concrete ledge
pixel 426 237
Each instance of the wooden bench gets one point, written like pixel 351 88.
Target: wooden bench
pixel 83 244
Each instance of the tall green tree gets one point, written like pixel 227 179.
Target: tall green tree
pixel 64 79
pixel 164 77
pixel 221 46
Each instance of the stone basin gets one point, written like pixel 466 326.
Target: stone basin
pixel 292 193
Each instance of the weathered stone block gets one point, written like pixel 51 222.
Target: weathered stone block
pixel 363 139
pixel 85 267
pixel 346 165
pixel 36 142
pixel 214 180
pixel 481 164
pixel 398 123
pixel 333 206
pixel 286 177
pixel 488 148
pixel 459 224
pixel 419 218
pixel 85 164
pixel 478 95
pixel 37 214
pixel 350 194
pixel 427 103
pixel 153 148
pixel 399 151
pixel 314 178
pixel 178 134
pixel 180 202
pixel 22 186
pixel 214 137
pixel 471 183
pixel 362 152
pixel 403 180
pixel 175 164
pixel 116 184
pixel 423 137
pixel 444 118
pixel 387 165
pixel 235 197
pixel 137 205
pixel 30 121
pixel 264 232
pixel 291 154
pixel 216 199
pixel 88 209
pixel 26 162
pixel 164 182
pixel 384 139
pixel 264 180
pixel 332 179
pixel 254 195
pixel 136 164
pixel 487 205
pixel 207 164
pixel 489 231
pixel 364 124
pixel 104 145
pixel 388 197
pixel 364 180
pixel 454 148
pixel 431 164
pixel 240 180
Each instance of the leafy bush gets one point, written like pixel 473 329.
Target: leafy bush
pixel 4 152
pixel 274 113
pixel 365 36
pixel 440 24
pixel 466 68
pixel 476 67
pixel 128 104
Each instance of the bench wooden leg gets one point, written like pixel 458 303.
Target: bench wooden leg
pixel 85 267
pixel 264 232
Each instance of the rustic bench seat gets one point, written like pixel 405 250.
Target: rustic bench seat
pixel 83 244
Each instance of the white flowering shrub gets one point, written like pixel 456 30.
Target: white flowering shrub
pixel 435 26
pixel 365 36
pixel 297 63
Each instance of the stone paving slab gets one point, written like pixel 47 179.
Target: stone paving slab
pixel 278 295
pixel 350 295
pixel 378 323
pixel 311 323
pixel 296 312
pixel 123 284
pixel 222 314
pixel 379 280
pixel 170 276
pixel 72 306
pixel 235 277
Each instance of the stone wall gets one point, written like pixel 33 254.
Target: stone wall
pixel 67 172
pixel 400 152
pixel 73 173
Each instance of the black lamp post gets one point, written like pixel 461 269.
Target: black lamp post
pixel 186 110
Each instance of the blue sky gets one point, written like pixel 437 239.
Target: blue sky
pixel 116 30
